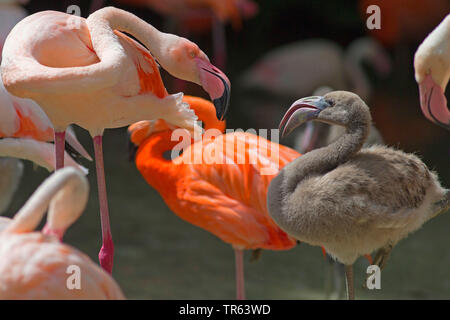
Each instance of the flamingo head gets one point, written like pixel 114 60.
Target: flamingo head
pixel 432 72
pixel 337 108
pixel 139 131
pixel 432 94
pixel 186 61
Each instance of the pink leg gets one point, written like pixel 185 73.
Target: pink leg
pixel 59 149
pixel 240 285
pixel 107 251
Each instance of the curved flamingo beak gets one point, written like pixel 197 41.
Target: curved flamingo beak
pixel 216 84
pixel 301 111
pixel 434 103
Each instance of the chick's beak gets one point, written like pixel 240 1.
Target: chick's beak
pixel 216 84
pixel 301 111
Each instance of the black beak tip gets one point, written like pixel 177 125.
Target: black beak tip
pixel 221 104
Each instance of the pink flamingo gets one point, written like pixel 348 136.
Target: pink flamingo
pixel 85 71
pixel 37 266
pixel 432 67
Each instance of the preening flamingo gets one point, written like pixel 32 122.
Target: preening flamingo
pixel 227 199
pixel 37 266
pixel 432 71
pixel 316 135
pixel 85 71
pixel 351 200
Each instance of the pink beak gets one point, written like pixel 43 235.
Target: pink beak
pixel 216 84
pixel 434 103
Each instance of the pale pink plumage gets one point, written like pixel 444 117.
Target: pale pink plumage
pixel 34 265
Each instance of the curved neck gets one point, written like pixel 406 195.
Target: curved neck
pixel 51 190
pixel 102 24
pixel 158 171
pixel 320 161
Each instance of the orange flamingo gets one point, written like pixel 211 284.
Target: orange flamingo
pixel 85 71
pixel 37 266
pixel 228 200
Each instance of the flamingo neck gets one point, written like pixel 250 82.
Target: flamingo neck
pixel 55 191
pixel 323 160
pixel 102 24
pixel 159 172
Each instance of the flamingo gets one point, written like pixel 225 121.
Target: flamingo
pixel 227 199
pixel 432 71
pixel 36 266
pixel 85 71
pixel 347 199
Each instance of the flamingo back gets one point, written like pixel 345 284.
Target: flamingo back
pixel 229 198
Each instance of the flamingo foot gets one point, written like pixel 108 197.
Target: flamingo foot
pixel 106 254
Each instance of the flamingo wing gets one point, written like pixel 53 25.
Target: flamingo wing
pixel 145 65
pixel 229 198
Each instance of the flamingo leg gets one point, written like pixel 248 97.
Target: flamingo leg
pixel 106 253
pixel 349 282
pixel 240 284
pixel 60 138
pixel 382 256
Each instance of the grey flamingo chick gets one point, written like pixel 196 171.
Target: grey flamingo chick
pixel 351 201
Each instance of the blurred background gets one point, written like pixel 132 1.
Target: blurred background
pixel 274 52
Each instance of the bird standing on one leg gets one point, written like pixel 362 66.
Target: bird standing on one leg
pixel 85 71
pixel 351 201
